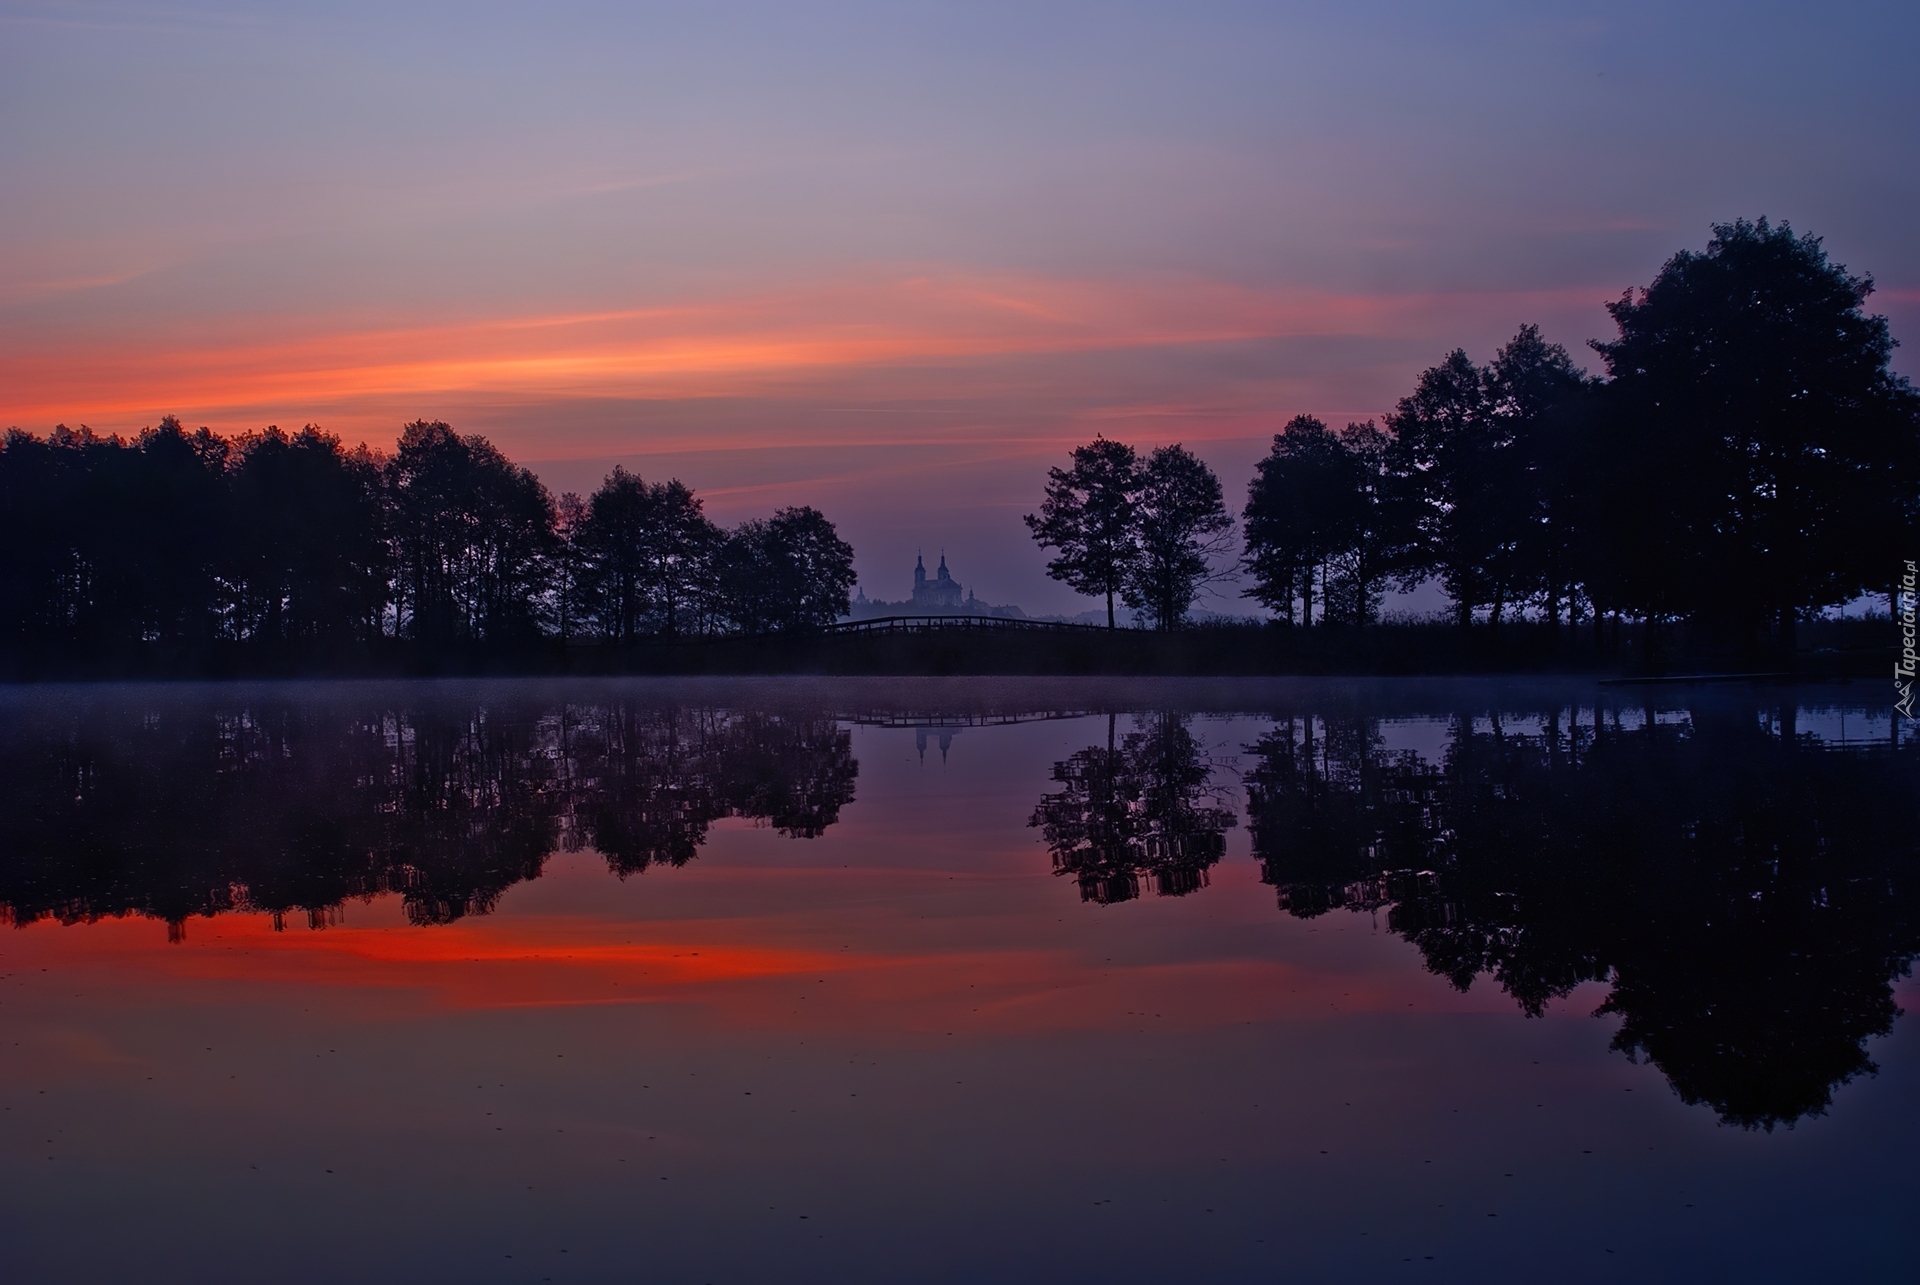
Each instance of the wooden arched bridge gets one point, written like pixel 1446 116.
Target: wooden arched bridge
pixel 942 624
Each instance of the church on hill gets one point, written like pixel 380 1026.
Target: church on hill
pixel 938 594
pixel 942 593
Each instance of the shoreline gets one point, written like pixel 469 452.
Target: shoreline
pixel 1837 650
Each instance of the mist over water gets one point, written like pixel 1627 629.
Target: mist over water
pixel 957 979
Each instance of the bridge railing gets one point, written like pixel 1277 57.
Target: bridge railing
pixel 933 624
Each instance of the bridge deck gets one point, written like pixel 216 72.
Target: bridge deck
pixel 936 624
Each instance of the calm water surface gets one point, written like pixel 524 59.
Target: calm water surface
pixel 957 980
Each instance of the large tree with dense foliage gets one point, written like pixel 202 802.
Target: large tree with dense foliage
pixel 1324 519
pixel 171 498
pixel 49 578
pixel 115 547
pixel 786 573
pixel 1472 448
pixel 471 535
pixel 1771 454
pixel 309 564
pixel 1301 512
pixel 615 537
pixel 1544 402
pixel 1378 534
pixel 648 557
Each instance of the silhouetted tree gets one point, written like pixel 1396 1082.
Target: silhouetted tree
pixel 1470 452
pixel 649 554
pixel 616 536
pixel 471 537
pixel 1180 526
pixel 1088 515
pixel 1378 539
pixel 309 557
pixel 790 572
pixel 50 578
pixel 681 565
pixel 1542 400
pixel 1303 511
pixel 177 501
pixel 1750 383
pixel 574 581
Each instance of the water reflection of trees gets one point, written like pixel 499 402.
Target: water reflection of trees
pixel 1144 806
pixel 1749 897
pixel 293 809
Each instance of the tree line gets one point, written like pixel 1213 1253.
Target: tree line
pixel 175 542
pixel 1747 458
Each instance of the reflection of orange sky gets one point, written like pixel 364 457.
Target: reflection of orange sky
pixel 733 346
pixel 751 971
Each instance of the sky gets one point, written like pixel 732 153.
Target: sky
pixel 890 260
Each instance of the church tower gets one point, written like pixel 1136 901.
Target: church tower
pixel 939 595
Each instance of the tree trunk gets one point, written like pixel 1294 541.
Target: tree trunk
pixel 1789 620
pixel 1109 608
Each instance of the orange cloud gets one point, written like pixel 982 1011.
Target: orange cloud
pixel 731 346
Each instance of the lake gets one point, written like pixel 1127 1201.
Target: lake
pixel 958 980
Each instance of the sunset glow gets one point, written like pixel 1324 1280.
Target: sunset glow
pixel 1047 642
pixel 745 971
pixel 882 262
pixel 954 329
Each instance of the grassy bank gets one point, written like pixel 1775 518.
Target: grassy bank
pixel 1827 648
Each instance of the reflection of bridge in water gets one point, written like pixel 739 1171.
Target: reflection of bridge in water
pixel 948 719
pixel 945 724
